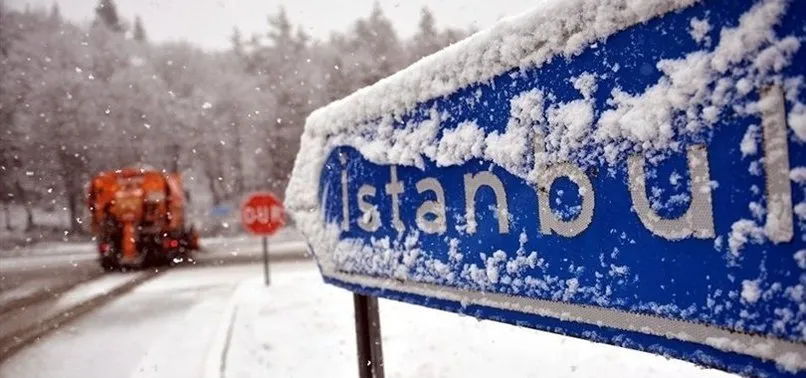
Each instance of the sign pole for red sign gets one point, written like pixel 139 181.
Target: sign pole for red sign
pixel 262 214
pixel 266 259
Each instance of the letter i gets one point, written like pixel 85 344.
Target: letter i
pixel 345 205
pixel 779 225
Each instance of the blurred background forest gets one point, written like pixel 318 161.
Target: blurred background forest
pixel 78 99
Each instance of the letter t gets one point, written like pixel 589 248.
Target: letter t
pixel 394 188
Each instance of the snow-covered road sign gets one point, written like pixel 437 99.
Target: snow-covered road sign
pixel 627 172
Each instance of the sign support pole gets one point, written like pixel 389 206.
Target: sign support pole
pixel 262 215
pixel 368 336
pixel 266 259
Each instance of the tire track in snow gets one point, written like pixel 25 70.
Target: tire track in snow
pixel 39 329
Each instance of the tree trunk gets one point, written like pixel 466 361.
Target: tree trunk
pixel 238 160
pixel 29 217
pixel 175 154
pixel 29 212
pixel 214 192
pixel 209 171
pixel 7 212
pixel 72 206
pixel 72 187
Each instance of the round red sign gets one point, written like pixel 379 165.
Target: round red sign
pixel 262 214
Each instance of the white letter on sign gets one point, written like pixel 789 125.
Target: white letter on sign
pixel 263 214
pixel 546 176
pixel 698 221
pixel 370 220
pixel 779 225
pixel 345 205
pixel 437 208
pixel 394 188
pixel 248 215
pixel 472 185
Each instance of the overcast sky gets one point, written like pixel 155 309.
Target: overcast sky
pixel 209 23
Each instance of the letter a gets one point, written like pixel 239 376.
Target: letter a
pixel 437 208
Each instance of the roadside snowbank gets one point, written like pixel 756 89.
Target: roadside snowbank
pixel 245 243
pixel 300 327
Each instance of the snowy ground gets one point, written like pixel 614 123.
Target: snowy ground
pixel 244 243
pixel 31 287
pixel 51 265
pixel 300 327
pixel 178 325
pixel 22 317
pixel 163 328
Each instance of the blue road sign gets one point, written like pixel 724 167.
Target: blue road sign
pixel 633 174
pixel 221 211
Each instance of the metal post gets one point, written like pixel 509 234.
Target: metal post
pixel 266 259
pixel 368 337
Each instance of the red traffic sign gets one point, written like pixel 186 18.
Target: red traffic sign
pixel 262 214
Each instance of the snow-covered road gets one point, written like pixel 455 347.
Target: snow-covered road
pixel 188 321
pixel 26 271
pixel 50 254
pixel 163 328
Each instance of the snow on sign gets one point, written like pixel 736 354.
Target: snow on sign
pixel 627 172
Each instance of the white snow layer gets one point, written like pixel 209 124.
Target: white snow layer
pixel 750 291
pixel 797 120
pixel 749 145
pixel 800 258
pixel 300 327
pixel 557 27
pixel 460 144
pixel 798 175
pixel 699 30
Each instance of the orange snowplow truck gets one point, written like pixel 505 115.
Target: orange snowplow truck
pixel 138 218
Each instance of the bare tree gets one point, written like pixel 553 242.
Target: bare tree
pixel 78 100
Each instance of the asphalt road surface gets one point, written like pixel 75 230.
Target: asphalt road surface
pixel 164 328
pixel 52 266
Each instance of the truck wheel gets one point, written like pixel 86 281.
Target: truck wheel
pixel 155 259
pixel 109 264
